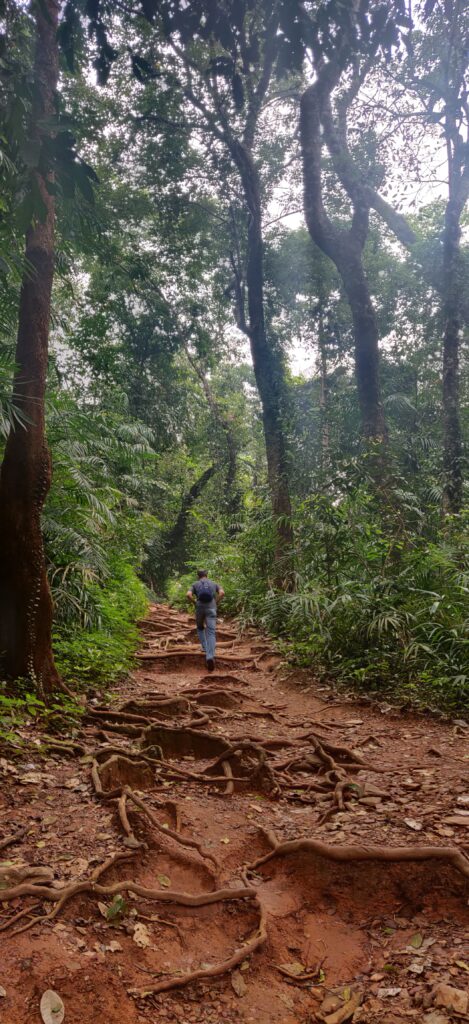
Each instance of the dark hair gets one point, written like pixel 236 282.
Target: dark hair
pixel 202 572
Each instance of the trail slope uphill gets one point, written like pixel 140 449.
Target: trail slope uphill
pixel 229 847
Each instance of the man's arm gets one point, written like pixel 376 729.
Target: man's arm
pixel 219 594
pixel 190 595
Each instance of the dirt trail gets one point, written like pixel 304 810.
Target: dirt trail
pixel 234 848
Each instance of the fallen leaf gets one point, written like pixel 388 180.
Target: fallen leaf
pixel 238 984
pixel 225 840
pixel 102 909
pixel 141 935
pixel 416 967
pixel 385 993
pixel 114 946
pixel 463 965
pixel 415 825
pixel 164 881
pixel 2 992
pixel 455 819
pixel 295 968
pixel 416 940
pixel 287 1001
pixel 79 866
pixel 245 965
pixel 442 831
pixel 451 998
pixel 31 777
pixel 52 1008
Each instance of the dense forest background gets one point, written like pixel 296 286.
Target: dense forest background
pixel 239 324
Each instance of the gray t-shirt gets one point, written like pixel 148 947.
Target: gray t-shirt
pixel 202 585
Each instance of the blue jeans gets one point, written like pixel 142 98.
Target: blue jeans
pixel 206 630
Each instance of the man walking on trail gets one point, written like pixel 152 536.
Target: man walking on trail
pixel 206 594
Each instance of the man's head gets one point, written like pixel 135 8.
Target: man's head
pixel 201 573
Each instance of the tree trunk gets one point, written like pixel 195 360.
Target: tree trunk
pixel 345 249
pixel 454 285
pixel 323 395
pixel 366 338
pixel 175 540
pixel 25 600
pixel 268 368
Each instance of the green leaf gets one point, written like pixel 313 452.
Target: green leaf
pixel 116 908
pixel 416 940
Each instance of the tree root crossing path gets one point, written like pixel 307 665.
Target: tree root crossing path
pixel 238 847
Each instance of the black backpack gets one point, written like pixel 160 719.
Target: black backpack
pixel 204 591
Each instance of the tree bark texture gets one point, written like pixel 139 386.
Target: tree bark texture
pixel 268 368
pixel 454 285
pixel 366 339
pixel 343 247
pixel 25 599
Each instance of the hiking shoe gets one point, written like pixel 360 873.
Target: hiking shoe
pixel 210 664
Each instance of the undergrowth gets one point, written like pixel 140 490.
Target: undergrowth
pixel 378 606
pixel 103 652
pixel 23 710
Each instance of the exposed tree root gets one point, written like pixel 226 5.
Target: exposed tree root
pixel 217 679
pixel 229 775
pixel 12 839
pixel 254 942
pixel 262 771
pixel 349 854
pixel 190 843
pixel 224 659
pixel 163 729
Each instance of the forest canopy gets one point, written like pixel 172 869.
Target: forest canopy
pixel 234 322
